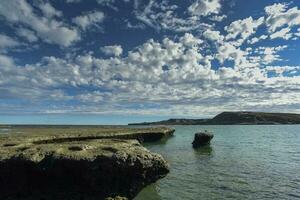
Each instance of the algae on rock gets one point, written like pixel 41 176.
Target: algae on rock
pixel 79 165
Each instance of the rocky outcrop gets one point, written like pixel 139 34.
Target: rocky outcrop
pixel 202 139
pixel 79 166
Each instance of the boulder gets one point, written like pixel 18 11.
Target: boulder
pixel 202 139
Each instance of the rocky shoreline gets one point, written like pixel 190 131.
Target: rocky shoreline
pixel 78 163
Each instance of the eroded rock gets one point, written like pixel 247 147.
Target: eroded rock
pixel 70 167
pixel 202 139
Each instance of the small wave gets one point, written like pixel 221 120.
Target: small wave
pixel 293 195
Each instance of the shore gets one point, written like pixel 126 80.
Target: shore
pixel 78 162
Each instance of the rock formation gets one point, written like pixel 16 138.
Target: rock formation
pixel 81 166
pixel 202 139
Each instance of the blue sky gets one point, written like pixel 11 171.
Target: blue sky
pixel 119 61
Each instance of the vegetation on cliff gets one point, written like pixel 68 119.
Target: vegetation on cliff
pixel 235 118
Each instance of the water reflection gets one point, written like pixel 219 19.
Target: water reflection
pixel 149 193
pixel 205 150
pixel 242 162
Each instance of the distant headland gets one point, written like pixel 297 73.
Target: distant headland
pixel 234 118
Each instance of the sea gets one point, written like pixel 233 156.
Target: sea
pixel 242 162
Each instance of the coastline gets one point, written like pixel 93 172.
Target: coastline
pixel 233 118
pixel 110 160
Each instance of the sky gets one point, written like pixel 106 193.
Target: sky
pixel 120 61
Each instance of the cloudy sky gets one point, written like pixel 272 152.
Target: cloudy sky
pixel 102 61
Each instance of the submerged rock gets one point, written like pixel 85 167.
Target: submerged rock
pixel 70 167
pixel 202 139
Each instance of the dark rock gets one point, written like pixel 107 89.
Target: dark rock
pixel 202 139
pixel 73 166
pixel 255 118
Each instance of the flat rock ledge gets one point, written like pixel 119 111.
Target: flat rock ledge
pixel 79 166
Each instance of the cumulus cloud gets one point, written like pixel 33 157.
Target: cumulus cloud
pixel 213 35
pixel 161 15
pixel 257 39
pixel 205 7
pixel 7 42
pixel 208 69
pixel 49 10
pixel 279 16
pixel 114 50
pixel 241 30
pixel 283 33
pixel 89 19
pixel 6 62
pixel 27 34
pixel 173 74
pixel 280 70
pixel 270 53
pixel 47 28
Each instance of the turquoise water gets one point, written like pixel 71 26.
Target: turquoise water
pixel 242 162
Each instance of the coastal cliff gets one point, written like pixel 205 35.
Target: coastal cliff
pixel 255 118
pixel 78 163
pixel 235 118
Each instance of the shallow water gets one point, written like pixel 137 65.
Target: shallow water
pixel 242 162
pixel 4 130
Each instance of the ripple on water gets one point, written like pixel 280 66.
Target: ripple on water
pixel 242 162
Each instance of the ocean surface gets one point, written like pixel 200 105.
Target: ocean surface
pixel 242 162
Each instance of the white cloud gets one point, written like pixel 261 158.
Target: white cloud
pixel 257 39
pixel 27 34
pixel 283 33
pixel 6 62
pixel 170 76
pixel 270 54
pixel 114 50
pixel 213 35
pixel 48 10
pixel 280 70
pixel 218 18
pixel 205 7
pixel 241 30
pixel 190 40
pixel 278 16
pixel 228 51
pixel 160 15
pixel 174 76
pixel 7 42
pixel 298 32
pixel 89 19
pixel 46 28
